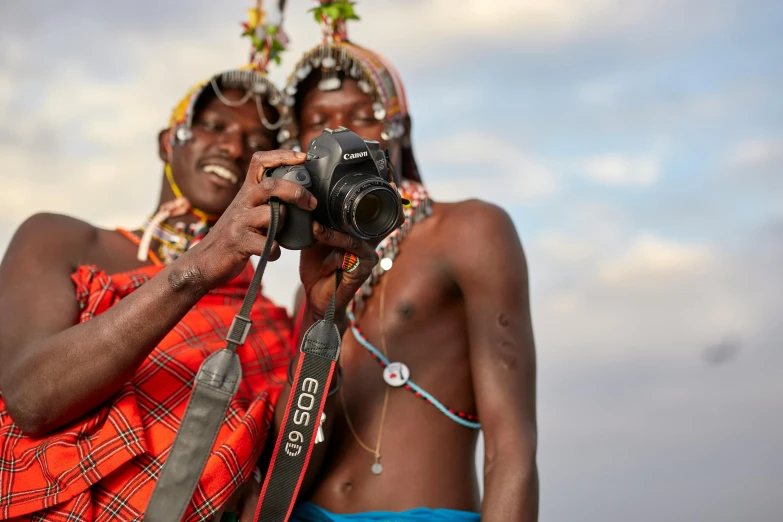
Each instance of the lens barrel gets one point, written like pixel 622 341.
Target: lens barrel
pixel 367 208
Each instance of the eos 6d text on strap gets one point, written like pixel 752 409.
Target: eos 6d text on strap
pixel 303 413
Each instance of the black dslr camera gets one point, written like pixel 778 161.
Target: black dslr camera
pixel 348 176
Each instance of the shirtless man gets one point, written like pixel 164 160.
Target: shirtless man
pixel 99 373
pixel 450 301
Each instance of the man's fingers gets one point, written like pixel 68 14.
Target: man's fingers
pixel 261 217
pixel 284 190
pixel 270 159
pixel 333 262
pixel 255 244
pixel 362 249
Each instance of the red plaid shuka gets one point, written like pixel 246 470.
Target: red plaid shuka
pixel 104 466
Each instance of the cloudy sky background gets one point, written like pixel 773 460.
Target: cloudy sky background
pixel 637 145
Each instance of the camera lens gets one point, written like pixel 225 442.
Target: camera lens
pixel 368 208
pixel 375 212
pixel 364 207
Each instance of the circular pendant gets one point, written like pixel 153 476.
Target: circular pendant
pixel 396 374
pixel 303 72
pixel 365 86
pixel 329 84
pixel 376 468
pixel 183 133
pixel 379 111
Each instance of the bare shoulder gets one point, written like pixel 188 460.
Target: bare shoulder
pixel 48 234
pixel 57 222
pixel 479 223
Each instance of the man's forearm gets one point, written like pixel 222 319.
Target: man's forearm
pixel 58 379
pixel 510 491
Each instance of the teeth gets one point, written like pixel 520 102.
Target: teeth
pixel 223 172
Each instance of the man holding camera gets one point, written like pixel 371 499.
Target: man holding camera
pixel 441 341
pixel 104 330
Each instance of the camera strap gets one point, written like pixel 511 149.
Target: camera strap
pixel 216 383
pixel 297 437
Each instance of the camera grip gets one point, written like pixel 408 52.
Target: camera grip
pixel 297 231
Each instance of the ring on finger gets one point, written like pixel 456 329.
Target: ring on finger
pixel 350 263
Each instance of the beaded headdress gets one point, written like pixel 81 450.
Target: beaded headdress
pixel 264 29
pixel 268 40
pixel 375 75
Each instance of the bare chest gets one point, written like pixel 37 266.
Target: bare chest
pixel 415 316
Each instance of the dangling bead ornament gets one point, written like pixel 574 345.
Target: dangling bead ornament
pixel 380 112
pixel 377 468
pixel 418 209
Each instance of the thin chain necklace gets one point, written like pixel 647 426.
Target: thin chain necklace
pixel 420 208
pixel 376 468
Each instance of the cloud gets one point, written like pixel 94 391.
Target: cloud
pixel 624 387
pixel 625 303
pixel 653 292
pixel 88 144
pixel 524 23
pixel 620 170
pixel 471 164
pixel 751 171
pixel 649 258
pixel 759 153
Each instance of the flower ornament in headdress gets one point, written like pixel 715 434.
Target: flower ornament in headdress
pixel 265 31
pixel 337 56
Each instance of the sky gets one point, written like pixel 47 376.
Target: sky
pixel 637 146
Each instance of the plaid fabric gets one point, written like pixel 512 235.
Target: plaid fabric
pixel 104 466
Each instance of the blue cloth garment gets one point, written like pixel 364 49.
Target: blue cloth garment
pixel 307 512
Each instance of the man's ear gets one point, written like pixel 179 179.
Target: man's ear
pixel 164 145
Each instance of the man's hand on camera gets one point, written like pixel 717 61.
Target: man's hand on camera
pixel 241 230
pixel 318 264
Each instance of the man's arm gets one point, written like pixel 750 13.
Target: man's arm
pixel 492 273
pixel 53 370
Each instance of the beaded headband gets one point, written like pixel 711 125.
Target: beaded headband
pixel 375 75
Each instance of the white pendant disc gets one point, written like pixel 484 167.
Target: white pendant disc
pixel 376 468
pixel 396 374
